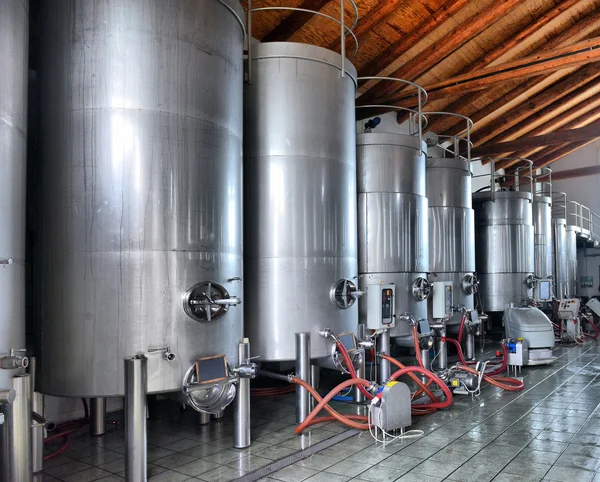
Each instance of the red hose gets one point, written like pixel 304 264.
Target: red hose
pixel 462 327
pixel 417 347
pixel 423 387
pixel 351 369
pixel 324 404
pixel 272 391
pixel 589 335
pixel 63 448
pixel 461 357
pixel 510 384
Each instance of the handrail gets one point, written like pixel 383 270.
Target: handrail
pixel 515 174
pixel 544 172
pixel 414 113
pixel 458 138
pixel 345 30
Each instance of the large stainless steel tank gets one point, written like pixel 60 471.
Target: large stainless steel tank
pixel 14 41
pixel 504 248
pixel 142 192
pixel 571 259
pixel 392 220
pixel 542 227
pixel 560 257
pixel 300 198
pixel 452 228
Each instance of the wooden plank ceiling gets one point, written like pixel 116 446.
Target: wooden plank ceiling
pixel 520 69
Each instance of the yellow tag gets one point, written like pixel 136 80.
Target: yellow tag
pixel 455 383
pixel 520 339
pixel 390 384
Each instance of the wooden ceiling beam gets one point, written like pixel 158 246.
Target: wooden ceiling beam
pixel 367 22
pixel 589 112
pixel 582 95
pixel 575 55
pixel 503 48
pixel 294 22
pixel 408 41
pixel 562 152
pixel 565 86
pixel 441 48
pixel 559 137
pixel 460 105
pixel 575 173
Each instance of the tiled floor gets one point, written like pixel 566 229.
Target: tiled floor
pixel 549 431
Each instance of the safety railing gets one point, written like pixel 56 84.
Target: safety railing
pixel 345 30
pixel 417 120
pixel 511 181
pixel 586 222
pixel 456 141
pixel 542 180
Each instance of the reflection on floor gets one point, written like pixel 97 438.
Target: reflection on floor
pixel 549 431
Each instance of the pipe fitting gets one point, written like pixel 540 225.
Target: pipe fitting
pixel 167 354
pixel 13 362
pixel 328 333
pixel 40 419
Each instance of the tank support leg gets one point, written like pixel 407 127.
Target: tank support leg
pixel 302 372
pixel 426 362
pixel 384 349
pixel 443 351
pixel 97 416
pixel 241 413
pixel 37 429
pixel 470 345
pixel 315 376
pixel 17 428
pixel 360 373
pixel 203 418
pixel 136 438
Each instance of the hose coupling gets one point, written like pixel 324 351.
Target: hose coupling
pixel 328 333
pixel 14 362
pixel 247 370
pixel 41 420
pixel 410 319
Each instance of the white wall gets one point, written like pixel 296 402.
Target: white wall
pixel 63 409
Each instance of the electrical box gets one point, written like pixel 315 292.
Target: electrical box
pixel 394 408
pixel 594 305
pixel 381 306
pixel 587 282
pixel 443 300
pixel 568 309
pixel 518 352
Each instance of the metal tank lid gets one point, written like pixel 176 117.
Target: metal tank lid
pixel 448 163
pixel 487 195
pixel 236 8
pixel 295 50
pixel 387 139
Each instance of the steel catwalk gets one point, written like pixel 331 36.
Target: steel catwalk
pixel 14 43
pixel 142 192
pixel 504 248
pixel 571 258
pixel 300 199
pixel 452 228
pixel 561 285
pixel 392 219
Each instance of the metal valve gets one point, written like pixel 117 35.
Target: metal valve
pixel 246 370
pixel 167 354
pixel 421 288
pixel 344 294
pixel 531 281
pixel 7 396
pixel 14 362
pixel 470 284
pixel 208 301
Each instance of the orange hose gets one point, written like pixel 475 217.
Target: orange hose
pixel 509 384
pixel 324 404
pixel 417 347
pixel 417 380
pixel 333 419
pixel 351 369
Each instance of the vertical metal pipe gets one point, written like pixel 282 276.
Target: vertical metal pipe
pixel 384 349
pixel 426 363
pixel 360 373
pixel 315 376
pixel 136 383
pixel 37 429
pixel 241 413
pixel 97 416
pixel 302 372
pixel 218 415
pixel 470 345
pixel 443 352
pixel 203 418
pixel 18 432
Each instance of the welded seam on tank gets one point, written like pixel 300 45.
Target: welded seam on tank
pixel 297 457
pixel 13 126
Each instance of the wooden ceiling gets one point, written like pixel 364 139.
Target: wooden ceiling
pixel 520 69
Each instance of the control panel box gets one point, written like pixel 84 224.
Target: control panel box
pixel 381 306
pixel 443 300
pixel 568 309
